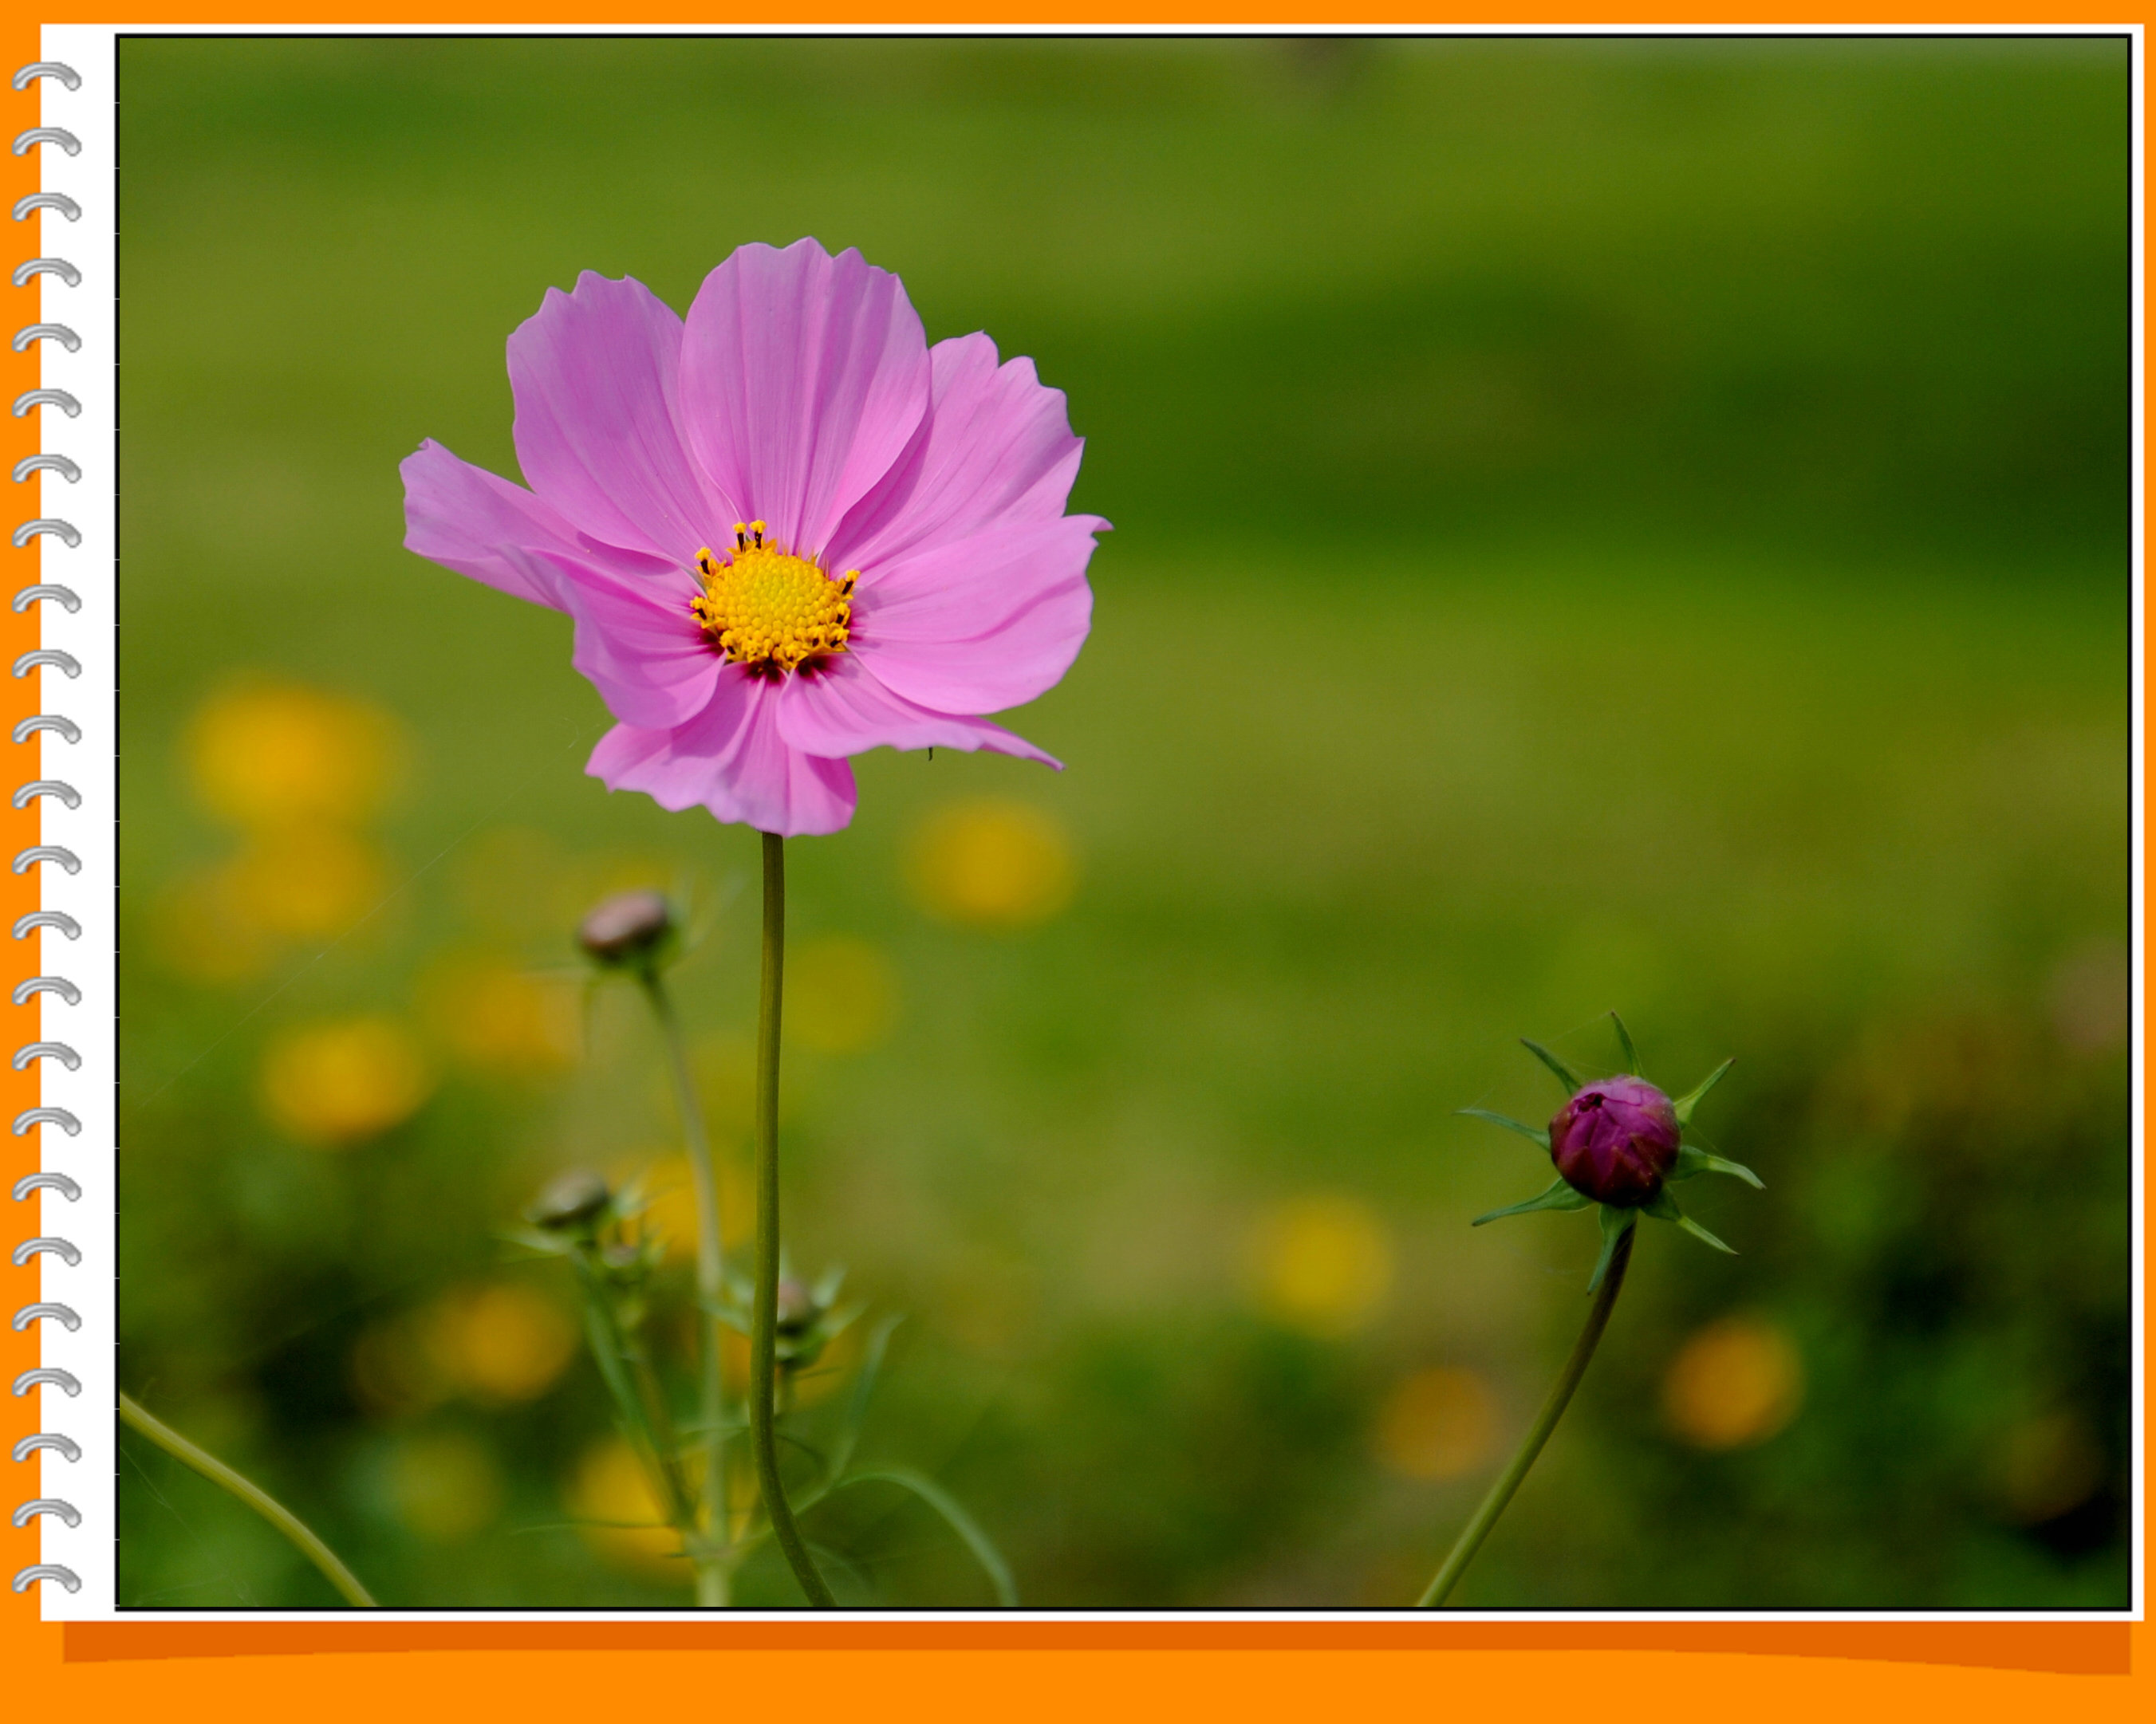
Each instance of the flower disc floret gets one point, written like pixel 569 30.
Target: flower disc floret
pixel 768 611
pixel 1616 1141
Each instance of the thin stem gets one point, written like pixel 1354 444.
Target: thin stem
pixel 1508 1482
pixel 763 1323
pixel 252 1494
pixel 635 1397
pixel 711 1572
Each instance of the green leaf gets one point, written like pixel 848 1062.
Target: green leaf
pixel 1697 1232
pixel 1685 1104
pixel 1624 1041
pixel 1693 1161
pixel 857 1404
pixel 1565 1075
pixel 1615 1225
pixel 1559 1196
pixel 1665 1208
pixel 1533 1134
pixel 954 1516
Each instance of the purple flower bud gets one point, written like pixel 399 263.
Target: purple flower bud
pixel 1616 1141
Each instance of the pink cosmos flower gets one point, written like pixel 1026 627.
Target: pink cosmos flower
pixel 786 530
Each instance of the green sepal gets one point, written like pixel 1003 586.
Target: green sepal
pixel 1691 1162
pixel 1533 1134
pixel 1616 1223
pixel 1559 1196
pixel 1624 1041
pixel 1565 1075
pixel 1685 1104
pixel 1664 1208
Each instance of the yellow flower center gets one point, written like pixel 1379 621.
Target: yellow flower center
pixel 768 610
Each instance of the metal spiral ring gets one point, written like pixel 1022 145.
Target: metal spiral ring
pixel 26 142
pixel 54 1440
pixel 67 729
pixel 60 398
pixel 36 201
pixel 25 794
pixel 31 268
pixel 25 76
pixel 27 1252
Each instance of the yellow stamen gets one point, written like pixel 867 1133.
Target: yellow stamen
pixel 769 611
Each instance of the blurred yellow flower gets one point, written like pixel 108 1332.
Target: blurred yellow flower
pixel 2092 997
pixel 267 753
pixel 840 994
pixel 201 933
pixel 724 1067
pixel 670 1204
pixel 1734 1382
pixel 611 1486
pixel 505 1341
pixel 991 863
pixel 393 1372
pixel 499 1019
pixel 342 1082
pixel 306 881
pixel 1437 1424
pixel 444 1485
pixel 2047 1465
pixel 1323 1264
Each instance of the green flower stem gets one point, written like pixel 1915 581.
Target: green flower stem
pixel 1560 1395
pixel 711 1572
pixel 763 1321
pixel 636 1397
pixel 133 1415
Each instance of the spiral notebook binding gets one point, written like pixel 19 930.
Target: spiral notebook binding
pixel 44 1055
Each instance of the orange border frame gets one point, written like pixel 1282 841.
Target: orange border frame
pixel 1254 1667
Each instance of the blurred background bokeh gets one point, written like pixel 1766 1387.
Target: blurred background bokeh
pixel 1636 524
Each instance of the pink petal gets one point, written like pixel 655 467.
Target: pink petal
pixel 638 643
pixel 987 623
pixel 463 516
pixel 844 710
pixel 599 431
pixel 995 449
pixel 730 760
pixel 803 377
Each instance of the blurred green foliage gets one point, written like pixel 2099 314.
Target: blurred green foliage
pixel 1636 525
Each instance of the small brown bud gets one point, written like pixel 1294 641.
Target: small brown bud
pixel 797 1310
pixel 627 928
pixel 571 1200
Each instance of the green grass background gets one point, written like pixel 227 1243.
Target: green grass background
pixel 1624 524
